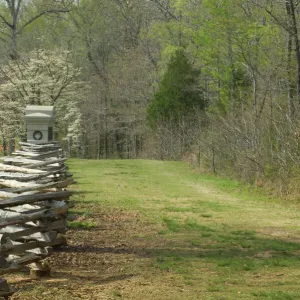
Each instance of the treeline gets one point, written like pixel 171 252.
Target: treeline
pixel 215 82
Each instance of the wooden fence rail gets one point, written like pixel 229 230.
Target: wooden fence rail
pixel 33 208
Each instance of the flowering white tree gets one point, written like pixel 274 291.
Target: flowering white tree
pixel 41 78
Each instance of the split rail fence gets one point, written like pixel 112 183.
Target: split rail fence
pixel 34 204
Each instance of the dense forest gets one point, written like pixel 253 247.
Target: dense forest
pixel 216 82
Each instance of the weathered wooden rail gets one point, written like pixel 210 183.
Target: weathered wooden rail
pixel 33 208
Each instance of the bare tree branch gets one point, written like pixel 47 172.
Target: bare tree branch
pixel 49 11
pixel 5 21
pixel 165 9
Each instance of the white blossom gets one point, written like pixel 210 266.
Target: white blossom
pixel 41 78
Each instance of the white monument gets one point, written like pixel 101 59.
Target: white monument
pixel 40 121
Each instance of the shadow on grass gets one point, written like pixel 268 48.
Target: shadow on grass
pixel 80 201
pixel 66 282
pixel 80 183
pixel 95 279
pixel 190 241
pixel 261 253
pixel 239 250
pixel 99 250
pixel 196 252
pixel 82 192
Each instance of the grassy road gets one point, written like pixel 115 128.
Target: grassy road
pixel 158 230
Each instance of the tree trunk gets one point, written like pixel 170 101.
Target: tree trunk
pixel 293 31
pixel 213 161
pixel 290 86
pixel 4 145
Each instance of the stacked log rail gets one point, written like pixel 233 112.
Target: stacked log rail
pixel 33 207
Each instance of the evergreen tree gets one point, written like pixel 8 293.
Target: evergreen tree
pixel 178 94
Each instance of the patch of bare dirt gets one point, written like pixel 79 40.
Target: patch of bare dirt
pixel 98 263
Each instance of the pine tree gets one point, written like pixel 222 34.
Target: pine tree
pixel 178 93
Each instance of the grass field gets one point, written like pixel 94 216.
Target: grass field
pixel 159 230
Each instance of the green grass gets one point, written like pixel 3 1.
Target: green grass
pixel 223 239
pixel 276 295
pixel 81 225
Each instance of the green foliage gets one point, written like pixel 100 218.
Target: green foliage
pixel 178 92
